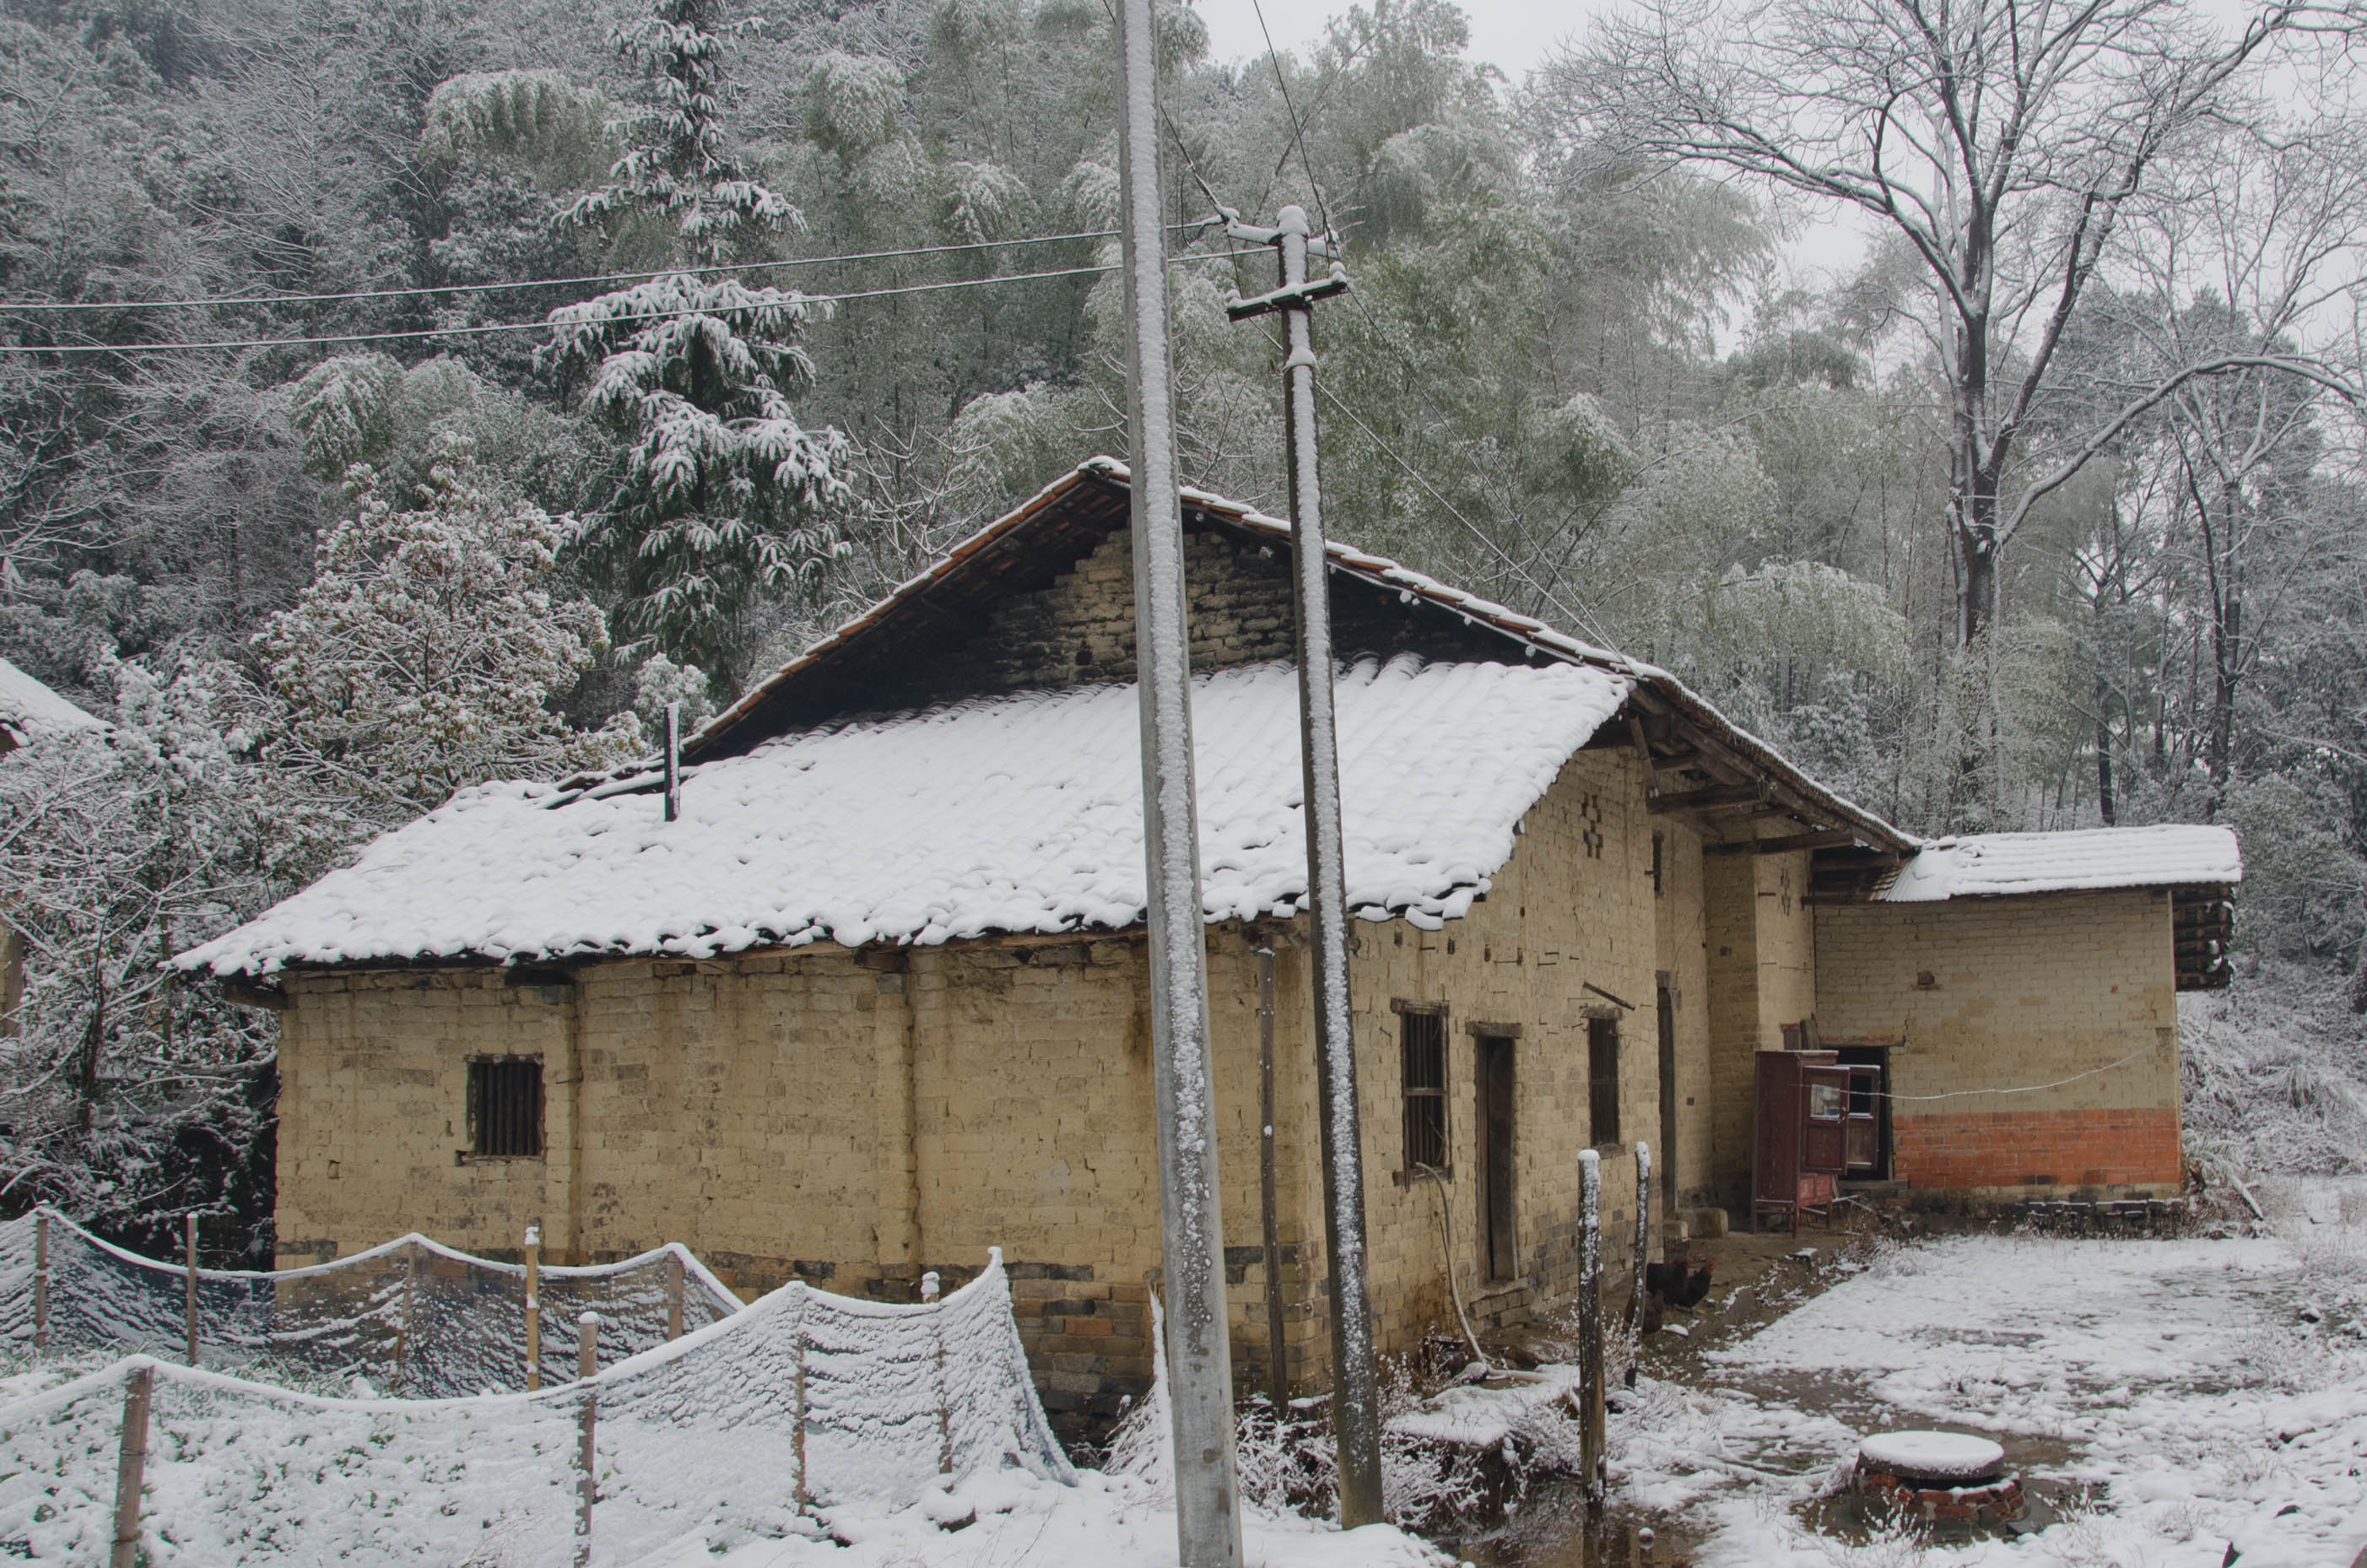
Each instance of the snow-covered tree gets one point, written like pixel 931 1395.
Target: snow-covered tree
pixel 426 653
pixel 130 1101
pixel 722 498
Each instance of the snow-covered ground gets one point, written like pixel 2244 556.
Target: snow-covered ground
pixel 1103 1521
pixel 2177 1398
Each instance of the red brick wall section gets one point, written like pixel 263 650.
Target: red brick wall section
pixel 2046 1148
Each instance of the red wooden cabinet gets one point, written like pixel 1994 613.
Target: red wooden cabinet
pixel 1801 1142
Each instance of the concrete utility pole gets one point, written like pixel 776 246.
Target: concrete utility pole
pixel 1199 1348
pixel 1356 1384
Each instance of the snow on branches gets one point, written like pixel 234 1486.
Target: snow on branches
pixel 720 498
pixel 128 1102
pixel 425 653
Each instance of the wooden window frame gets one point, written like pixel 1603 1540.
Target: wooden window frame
pixel 506 1137
pixel 1598 1086
pixel 1410 1096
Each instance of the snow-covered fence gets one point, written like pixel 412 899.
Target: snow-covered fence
pixel 802 1397
pixel 414 1318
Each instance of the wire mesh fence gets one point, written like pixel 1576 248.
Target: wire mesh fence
pixel 413 1318
pixel 802 1398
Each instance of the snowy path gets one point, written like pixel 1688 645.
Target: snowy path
pixel 2181 1383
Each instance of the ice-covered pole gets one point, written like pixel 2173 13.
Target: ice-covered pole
pixel 1356 1383
pixel 1634 1335
pixel 1199 1352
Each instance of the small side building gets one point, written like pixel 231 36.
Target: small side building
pixel 877 1000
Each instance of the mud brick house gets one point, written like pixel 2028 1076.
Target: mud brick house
pixel 878 999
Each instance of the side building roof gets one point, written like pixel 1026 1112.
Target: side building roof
pixel 1994 864
pixel 32 711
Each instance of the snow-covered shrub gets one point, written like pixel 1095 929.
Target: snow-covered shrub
pixel 130 1101
pixel 425 655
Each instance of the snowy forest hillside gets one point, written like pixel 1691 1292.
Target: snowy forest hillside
pixel 397 394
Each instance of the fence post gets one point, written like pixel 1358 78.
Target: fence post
pixel 131 1464
pixel 403 1333
pixel 587 1361
pixel 189 1259
pixel 674 1295
pixel 533 1307
pixel 797 1392
pixel 41 1280
pixel 929 1292
pixel 1643 1251
pixel 1590 1324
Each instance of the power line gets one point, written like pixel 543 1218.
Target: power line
pixel 21 306
pixel 1297 126
pixel 488 328
pixel 1581 622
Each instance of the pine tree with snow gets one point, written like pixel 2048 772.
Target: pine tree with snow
pixel 721 498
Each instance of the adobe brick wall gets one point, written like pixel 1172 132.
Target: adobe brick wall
pixel 1761 963
pixel 2075 990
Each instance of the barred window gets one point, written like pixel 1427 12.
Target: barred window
pixel 1423 1038
pixel 505 1106
pixel 1603 1081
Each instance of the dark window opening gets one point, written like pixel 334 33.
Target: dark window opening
pixel 1423 1038
pixel 1603 1081
pixel 1658 841
pixel 1498 1170
pixel 505 1108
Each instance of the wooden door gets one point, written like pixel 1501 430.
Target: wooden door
pixel 1865 1138
pixel 1496 1207
pixel 1824 1148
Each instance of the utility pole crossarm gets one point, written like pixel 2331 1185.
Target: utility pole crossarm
pixel 1290 297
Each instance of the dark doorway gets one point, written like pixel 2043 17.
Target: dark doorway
pixel 1496 1122
pixel 1668 1101
pixel 1869 1110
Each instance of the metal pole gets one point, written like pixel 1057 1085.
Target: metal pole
pixel 533 1307
pixel 1198 1348
pixel 189 1295
pixel 1590 1324
pixel 1269 1199
pixel 587 1362
pixel 672 761
pixel 1356 1384
pixel 1643 1253
pixel 131 1463
pixel 42 1280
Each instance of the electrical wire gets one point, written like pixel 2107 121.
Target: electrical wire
pixel 1577 620
pixel 488 328
pixel 1297 126
pixel 30 306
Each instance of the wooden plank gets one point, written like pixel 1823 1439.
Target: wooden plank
pixel 1785 843
pixel 1702 800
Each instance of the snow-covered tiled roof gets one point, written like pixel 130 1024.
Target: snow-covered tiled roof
pixel 29 710
pixel 1012 814
pixel 1994 864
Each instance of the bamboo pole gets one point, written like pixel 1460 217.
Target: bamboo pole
pixel 1643 1254
pixel 930 1289
pixel 42 1280
pixel 132 1464
pixel 674 1295
pixel 798 1394
pixel 189 1263
pixel 533 1307
pixel 1590 1325
pixel 587 1362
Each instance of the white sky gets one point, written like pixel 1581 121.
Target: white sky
pixel 1514 35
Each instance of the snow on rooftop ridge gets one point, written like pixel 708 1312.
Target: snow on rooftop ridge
pixel 1998 864
pixel 29 710
pixel 1009 813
